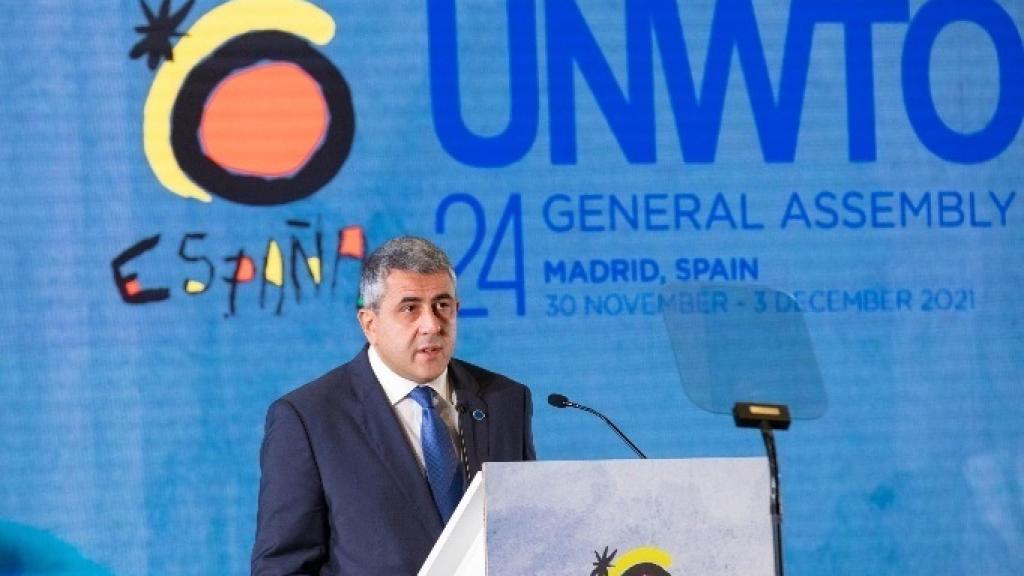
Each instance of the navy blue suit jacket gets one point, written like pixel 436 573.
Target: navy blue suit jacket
pixel 341 491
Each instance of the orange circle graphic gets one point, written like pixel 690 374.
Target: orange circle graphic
pixel 265 120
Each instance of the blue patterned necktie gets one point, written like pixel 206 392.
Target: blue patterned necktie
pixel 443 471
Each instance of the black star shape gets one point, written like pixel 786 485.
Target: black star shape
pixel 604 562
pixel 158 31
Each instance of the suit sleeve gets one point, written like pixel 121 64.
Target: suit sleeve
pixel 292 521
pixel 529 453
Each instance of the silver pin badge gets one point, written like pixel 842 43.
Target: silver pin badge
pixel 479 415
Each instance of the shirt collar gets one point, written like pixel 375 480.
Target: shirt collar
pixel 396 387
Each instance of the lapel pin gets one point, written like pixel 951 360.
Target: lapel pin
pixel 479 415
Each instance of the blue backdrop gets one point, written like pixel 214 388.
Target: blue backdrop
pixel 573 157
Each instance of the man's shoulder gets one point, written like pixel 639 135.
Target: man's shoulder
pixel 341 381
pixel 487 379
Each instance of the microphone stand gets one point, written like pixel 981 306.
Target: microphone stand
pixel 560 401
pixel 610 425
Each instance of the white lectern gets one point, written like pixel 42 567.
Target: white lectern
pixel 613 518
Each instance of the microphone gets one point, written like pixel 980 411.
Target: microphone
pixel 560 401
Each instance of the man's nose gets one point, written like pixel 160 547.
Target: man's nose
pixel 430 323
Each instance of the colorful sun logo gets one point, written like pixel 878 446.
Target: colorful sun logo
pixel 643 561
pixel 245 107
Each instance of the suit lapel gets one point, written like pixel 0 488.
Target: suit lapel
pixel 474 418
pixel 386 436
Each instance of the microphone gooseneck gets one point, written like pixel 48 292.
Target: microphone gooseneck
pixel 561 401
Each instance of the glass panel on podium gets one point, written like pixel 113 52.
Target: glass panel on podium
pixel 743 343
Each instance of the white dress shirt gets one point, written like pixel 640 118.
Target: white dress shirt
pixel 409 413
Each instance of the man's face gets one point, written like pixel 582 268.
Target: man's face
pixel 414 329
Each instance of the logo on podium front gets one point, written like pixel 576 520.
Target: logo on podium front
pixel 644 561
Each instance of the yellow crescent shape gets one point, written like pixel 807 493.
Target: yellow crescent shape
pixel 655 556
pixel 298 17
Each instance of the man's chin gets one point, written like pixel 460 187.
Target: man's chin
pixel 428 369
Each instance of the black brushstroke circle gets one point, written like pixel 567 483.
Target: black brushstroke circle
pixel 645 569
pixel 241 52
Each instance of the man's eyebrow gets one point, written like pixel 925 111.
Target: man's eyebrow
pixel 415 299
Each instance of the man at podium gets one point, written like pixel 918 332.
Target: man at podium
pixel 362 467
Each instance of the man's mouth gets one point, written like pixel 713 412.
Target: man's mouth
pixel 430 351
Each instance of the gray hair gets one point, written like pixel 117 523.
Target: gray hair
pixel 406 253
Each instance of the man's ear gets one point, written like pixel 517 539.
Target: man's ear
pixel 367 321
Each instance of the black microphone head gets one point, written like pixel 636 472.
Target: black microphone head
pixel 558 400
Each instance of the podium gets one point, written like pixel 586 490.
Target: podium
pixel 707 516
